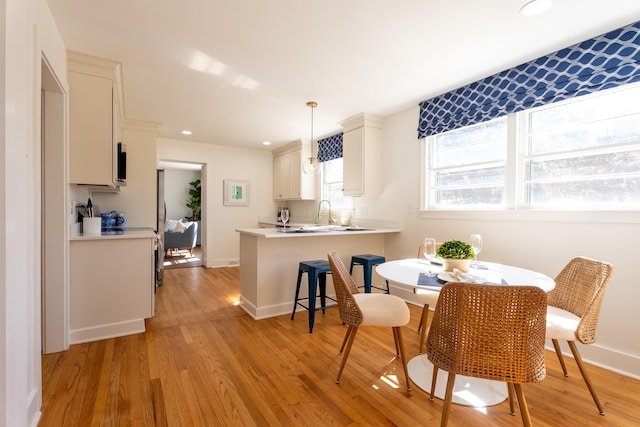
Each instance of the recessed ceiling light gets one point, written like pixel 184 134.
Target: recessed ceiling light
pixel 186 132
pixel 266 143
pixel 535 7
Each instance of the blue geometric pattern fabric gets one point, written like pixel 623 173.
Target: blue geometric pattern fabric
pixel 604 62
pixel 330 148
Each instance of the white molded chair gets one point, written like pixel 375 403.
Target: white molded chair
pixel 574 309
pixel 429 299
pixel 366 309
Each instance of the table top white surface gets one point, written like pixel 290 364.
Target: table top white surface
pixel 407 271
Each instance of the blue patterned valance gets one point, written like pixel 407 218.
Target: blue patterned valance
pixel 330 148
pixel 607 61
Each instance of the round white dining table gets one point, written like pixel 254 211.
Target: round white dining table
pixel 467 391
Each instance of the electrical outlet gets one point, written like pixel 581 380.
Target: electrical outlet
pixel 411 208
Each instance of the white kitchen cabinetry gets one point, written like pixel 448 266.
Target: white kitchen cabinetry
pixel 362 155
pixel 289 181
pixel 94 109
pixel 112 286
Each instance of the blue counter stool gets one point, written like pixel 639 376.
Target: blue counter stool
pixel 367 261
pixel 316 274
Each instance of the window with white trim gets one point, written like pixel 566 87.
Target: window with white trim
pixel 332 186
pixel 583 153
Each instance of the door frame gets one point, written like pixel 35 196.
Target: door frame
pixel 52 215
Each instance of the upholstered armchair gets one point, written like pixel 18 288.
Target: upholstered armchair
pixel 181 239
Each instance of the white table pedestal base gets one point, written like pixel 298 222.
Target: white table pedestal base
pixel 467 391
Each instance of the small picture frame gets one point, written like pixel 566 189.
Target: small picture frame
pixel 236 192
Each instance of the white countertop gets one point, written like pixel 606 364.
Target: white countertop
pixel 128 233
pixel 314 231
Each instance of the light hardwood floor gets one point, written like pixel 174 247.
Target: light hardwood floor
pixel 204 362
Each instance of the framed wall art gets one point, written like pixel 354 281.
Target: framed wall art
pixel 236 192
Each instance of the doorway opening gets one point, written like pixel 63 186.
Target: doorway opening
pixel 185 214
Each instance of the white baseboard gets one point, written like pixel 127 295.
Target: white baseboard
pixel 34 403
pixel 223 262
pixel 265 312
pixel 606 358
pixel 102 332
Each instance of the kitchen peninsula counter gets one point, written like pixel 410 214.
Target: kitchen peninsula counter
pixel 269 262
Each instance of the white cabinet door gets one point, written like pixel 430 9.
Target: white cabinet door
pixel 289 181
pixel 90 129
pixel 353 166
pixel 295 175
pixel 362 153
pixel 281 178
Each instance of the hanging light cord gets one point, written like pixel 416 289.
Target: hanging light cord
pixel 313 105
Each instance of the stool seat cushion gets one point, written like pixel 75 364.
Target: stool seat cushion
pixel 317 264
pixel 374 259
pixel 382 310
pixel 427 297
pixel 561 324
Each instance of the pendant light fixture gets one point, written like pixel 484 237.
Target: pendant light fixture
pixel 535 7
pixel 311 165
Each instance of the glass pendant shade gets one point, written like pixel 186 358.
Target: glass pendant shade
pixel 311 165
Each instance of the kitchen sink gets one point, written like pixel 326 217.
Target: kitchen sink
pixel 310 229
pixel 322 229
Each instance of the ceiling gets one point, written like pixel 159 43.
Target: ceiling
pixel 241 72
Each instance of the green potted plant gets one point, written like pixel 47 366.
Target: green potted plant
pixel 193 202
pixel 455 254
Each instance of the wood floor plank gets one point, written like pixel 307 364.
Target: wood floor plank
pixel 204 362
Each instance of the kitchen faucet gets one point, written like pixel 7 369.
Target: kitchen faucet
pixel 330 221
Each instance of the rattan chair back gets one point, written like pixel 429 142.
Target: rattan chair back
pixel 579 289
pixel 345 287
pixel 489 331
pixel 421 250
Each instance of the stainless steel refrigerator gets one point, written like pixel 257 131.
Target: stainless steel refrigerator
pixel 161 213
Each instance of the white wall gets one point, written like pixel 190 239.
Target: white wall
pixel 28 32
pixel 540 241
pixel 176 191
pixel 138 198
pixel 222 242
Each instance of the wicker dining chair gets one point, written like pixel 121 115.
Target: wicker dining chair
pixel 366 309
pixel 428 299
pixel 574 309
pixel 492 332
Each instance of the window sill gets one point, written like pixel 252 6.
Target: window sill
pixel 617 217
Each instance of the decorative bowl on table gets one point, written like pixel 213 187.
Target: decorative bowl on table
pixel 455 254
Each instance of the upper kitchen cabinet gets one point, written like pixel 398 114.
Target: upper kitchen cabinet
pixel 289 181
pixel 362 155
pixel 94 117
